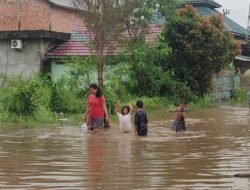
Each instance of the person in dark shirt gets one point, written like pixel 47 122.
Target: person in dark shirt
pixel 141 120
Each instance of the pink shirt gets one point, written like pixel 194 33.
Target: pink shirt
pixel 95 105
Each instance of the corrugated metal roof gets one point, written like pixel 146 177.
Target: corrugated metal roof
pixel 78 44
pixel 209 3
pixel 63 3
pixel 234 27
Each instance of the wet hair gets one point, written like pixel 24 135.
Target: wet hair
pixel 99 91
pixel 139 104
pixel 183 102
pixel 124 107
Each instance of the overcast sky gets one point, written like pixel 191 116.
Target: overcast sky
pixel 238 10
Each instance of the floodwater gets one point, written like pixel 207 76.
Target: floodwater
pixel 214 148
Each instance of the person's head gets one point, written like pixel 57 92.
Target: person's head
pixel 95 90
pixel 125 110
pixel 182 105
pixel 139 104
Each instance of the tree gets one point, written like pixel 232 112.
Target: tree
pixel 113 22
pixel 200 47
pixel 103 20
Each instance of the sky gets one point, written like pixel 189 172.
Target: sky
pixel 238 10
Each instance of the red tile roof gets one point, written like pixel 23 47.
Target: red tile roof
pixel 78 44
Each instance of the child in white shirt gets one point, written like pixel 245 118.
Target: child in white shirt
pixel 124 117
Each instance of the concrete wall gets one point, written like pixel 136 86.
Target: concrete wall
pixel 223 84
pixel 27 61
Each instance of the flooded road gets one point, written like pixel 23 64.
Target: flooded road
pixel 215 147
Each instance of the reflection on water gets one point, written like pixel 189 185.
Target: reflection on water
pixel 96 146
pixel 215 147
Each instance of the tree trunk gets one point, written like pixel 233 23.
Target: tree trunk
pixel 100 71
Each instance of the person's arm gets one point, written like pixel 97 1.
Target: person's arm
pixel 136 123
pixel 131 108
pixel 184 113
pixel 146 118
pixel 104 107
pixel 86 113
pixel 177 114
pixel 117 106
pixel 105 111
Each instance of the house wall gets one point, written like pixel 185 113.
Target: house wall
pixel 64 20
pixel 31 15
pixel 36 15
pixel 27 61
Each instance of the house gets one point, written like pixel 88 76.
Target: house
pixel 29 29
pixel 77 45
pixel 35 32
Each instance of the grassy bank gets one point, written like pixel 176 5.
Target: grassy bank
pixel 38 101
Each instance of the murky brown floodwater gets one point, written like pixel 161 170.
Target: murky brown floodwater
pixel 215 147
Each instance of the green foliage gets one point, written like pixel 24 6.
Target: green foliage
pixel 203 102
pixel 117 78
pixel 200 47
pixel 36 100
pixel 26 96
pixel 64 99
pixel 43 115
pixel 168 7
pixel 155 102
pixel 23 100
pixel 239 95
pixel 107 20
pixel 57 102
pixel 148 77
pixel 81 73
pixel 111 99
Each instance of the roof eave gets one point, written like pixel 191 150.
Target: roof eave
pixel 34 34
pixel 202 2
pixel 62 6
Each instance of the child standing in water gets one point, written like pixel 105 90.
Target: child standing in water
pixel 141 120
pixel 124 117
pixel 179 121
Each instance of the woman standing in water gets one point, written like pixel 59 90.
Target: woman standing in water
pixel 96 108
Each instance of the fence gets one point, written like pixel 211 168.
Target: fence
pixel 223 84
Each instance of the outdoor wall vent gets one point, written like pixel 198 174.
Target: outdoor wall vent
pixel 16 44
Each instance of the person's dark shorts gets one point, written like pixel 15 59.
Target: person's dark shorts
pixel 178 126
pixel 96 123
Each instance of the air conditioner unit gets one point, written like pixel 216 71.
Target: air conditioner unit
pixel 16 44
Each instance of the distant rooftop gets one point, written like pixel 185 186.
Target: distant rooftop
pixel 63 3
pixel 78 44
pixel 208 3
pixel 232 26
pixel 69 3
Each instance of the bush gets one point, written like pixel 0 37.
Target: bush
pixel 239 95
